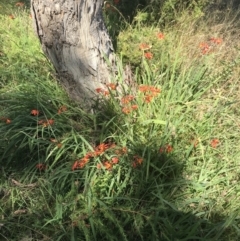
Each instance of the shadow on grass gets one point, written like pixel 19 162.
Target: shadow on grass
pixel 146 211
pixel 124 203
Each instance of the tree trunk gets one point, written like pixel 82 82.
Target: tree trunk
pixel 73 36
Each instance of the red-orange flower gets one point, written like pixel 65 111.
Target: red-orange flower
pixel 90 155
pixel 121 151
pixel 216 40
pixel 8 121
pixel 50 121
pixel 59 145
pixel 205 48
pixel 41 167
pixel 144 46
pixel 102 147
pixel 126 99
pixel 214 143
pixel 46 123
pixel 169 148
pixel 76 165
pixel 99 90
pixel 134 107
pixel 154 91
pixel 143 88
pixel 35 112
pixel 148 98
pixel 62 109
pixel 11 16
pixel 160 36
pixel 108 165
pixel 137 160
pixel 40 122
pixel 126 110
pixel 115 160
pixel 148 55
pixel 149 88
pixel 19 4
pixel 80 164
pixel 112 86
pixel 203 45
pixel 106 92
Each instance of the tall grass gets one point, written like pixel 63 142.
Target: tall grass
pixel 159 161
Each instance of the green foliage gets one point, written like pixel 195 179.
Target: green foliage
pixel 168 11
pixel 130 45
pixel 158 160
pixel 118 14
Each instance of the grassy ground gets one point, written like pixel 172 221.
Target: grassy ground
pixel 159 163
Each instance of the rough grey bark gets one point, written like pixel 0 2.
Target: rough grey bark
pixel 73 36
